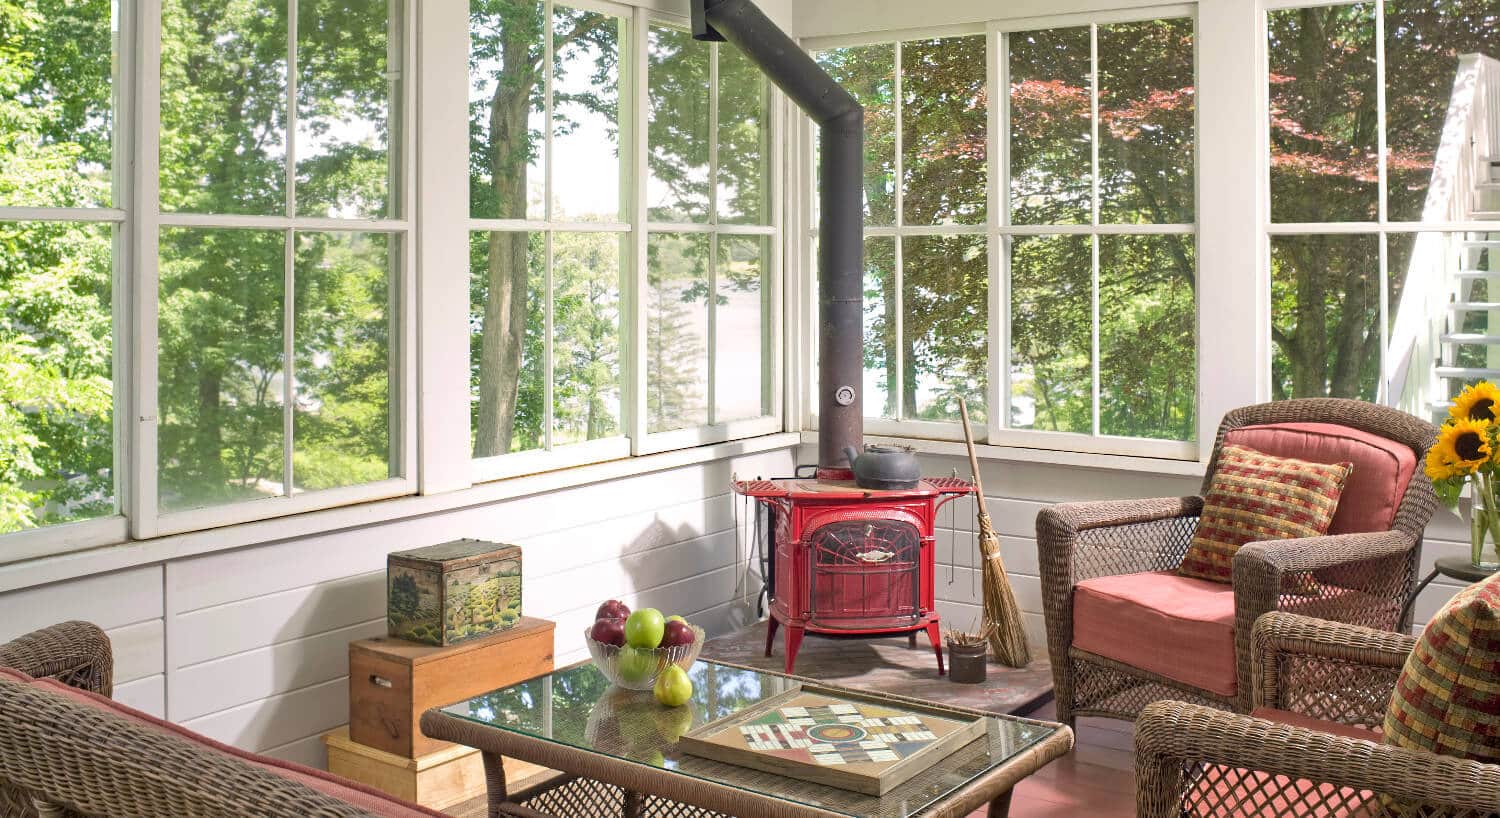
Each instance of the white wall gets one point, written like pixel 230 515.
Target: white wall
pixel 249 646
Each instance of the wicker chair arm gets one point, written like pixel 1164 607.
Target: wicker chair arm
pixel 1171 736
pixel 94 762
pixel 75 653
pixel 1327 670
pixel 1064 519
pixel 1328 551
pixel 1279 634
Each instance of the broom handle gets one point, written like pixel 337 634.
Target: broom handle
pixel 963 410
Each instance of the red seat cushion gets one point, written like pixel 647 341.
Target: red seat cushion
pixel 368 799
pixel 1382 467
pixel 1182 628
pixel 1163 623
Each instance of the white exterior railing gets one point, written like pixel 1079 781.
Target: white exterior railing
pixel 1471 134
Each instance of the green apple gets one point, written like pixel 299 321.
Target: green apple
pixel 635 665
pixel 643 628
pixel 673 687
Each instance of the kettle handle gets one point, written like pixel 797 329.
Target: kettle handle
pixel 851 453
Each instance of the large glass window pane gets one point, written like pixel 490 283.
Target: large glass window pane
pixel 507 341
pixel 1050 153
pixel 1051 336
pixel 1147 351
pixel 1324 132
pixel 743 193
pixel 945 297
pixel 343 339
pixel 880 327
pixel 586 115
pixel 221 383
pixel 741 329
pixel 57 104
pixel 1146 117
pixel 869 73
pixel 1423 44
pixel 348 89
pixel 1325 312
pixel 56 392
pixel 676 331
pixel 678 140
pixel 943 123
pixel 224 106
pixel 507 112
pixel 586 374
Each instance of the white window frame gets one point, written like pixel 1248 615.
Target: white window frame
pixel 715 431
pixel 146 518
pixel 1000 232
pixel 1382 227
pixel 71 536
pixel 548 457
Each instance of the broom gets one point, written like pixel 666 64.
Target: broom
pixel 1008 639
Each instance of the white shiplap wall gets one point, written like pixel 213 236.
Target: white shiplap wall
pixel 249 646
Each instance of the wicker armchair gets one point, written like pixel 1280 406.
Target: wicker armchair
pixel 1195 760
pixel 1377 569
pixel 60 757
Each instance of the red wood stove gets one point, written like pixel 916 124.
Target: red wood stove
pixel 850 561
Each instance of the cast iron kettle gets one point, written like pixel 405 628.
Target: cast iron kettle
pixel 884 467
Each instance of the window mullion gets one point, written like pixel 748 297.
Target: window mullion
pixel 897 379
pixel 1382 391
pixel 638 287
pixel 997 151
pixel 548 77
pixel 1094 209
pixel 144 211
pixel 713 236
pixel 289 257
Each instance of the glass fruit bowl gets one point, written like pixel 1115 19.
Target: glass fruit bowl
pixel 636 669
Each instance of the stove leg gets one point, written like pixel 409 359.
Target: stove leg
pixel 911 640
pixel 793 642
pixel 934 635
pixel 771 626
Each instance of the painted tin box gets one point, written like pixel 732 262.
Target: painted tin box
pixel 449 593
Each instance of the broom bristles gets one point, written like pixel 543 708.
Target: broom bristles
pixel 1008 639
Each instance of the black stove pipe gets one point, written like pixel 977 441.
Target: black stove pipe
pixel 841 122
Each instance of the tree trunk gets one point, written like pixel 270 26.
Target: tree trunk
pixel 504 328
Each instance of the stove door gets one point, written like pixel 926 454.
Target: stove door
pixel 865 574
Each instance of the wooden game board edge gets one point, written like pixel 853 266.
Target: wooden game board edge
pixel 971 729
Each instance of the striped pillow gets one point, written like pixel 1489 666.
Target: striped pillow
pixel 1255 497
pixel 1447 700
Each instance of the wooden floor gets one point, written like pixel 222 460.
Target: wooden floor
pixel 1095 780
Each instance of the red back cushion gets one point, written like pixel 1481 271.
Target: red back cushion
pixel 1382 467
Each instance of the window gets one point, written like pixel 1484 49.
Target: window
pixel 550 233
pixel 61 218
pixel 281 239
pixel 710 246
pixel 1068 205
pixel 1377 132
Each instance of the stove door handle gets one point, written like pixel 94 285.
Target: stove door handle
pixel 874 556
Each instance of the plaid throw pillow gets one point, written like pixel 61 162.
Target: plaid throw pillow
pixel 1255 497
pixel 1447 700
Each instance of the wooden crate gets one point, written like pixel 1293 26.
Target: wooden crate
pixel 392 682
pixel 437 780
pixel 450 593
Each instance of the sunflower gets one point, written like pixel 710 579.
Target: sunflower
pixel 1462 447
pixel 1476 402
pixel 1437 468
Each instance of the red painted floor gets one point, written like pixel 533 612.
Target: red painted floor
pixel 1097 779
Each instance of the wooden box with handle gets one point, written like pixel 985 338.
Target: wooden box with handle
pixel 392 682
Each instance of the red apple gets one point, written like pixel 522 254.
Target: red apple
pixel 613 609
pixel 677 633
pixel 608 631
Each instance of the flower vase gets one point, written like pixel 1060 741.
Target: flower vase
pixel 1485 545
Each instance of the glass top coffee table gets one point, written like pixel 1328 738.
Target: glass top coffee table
pixel 618 751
